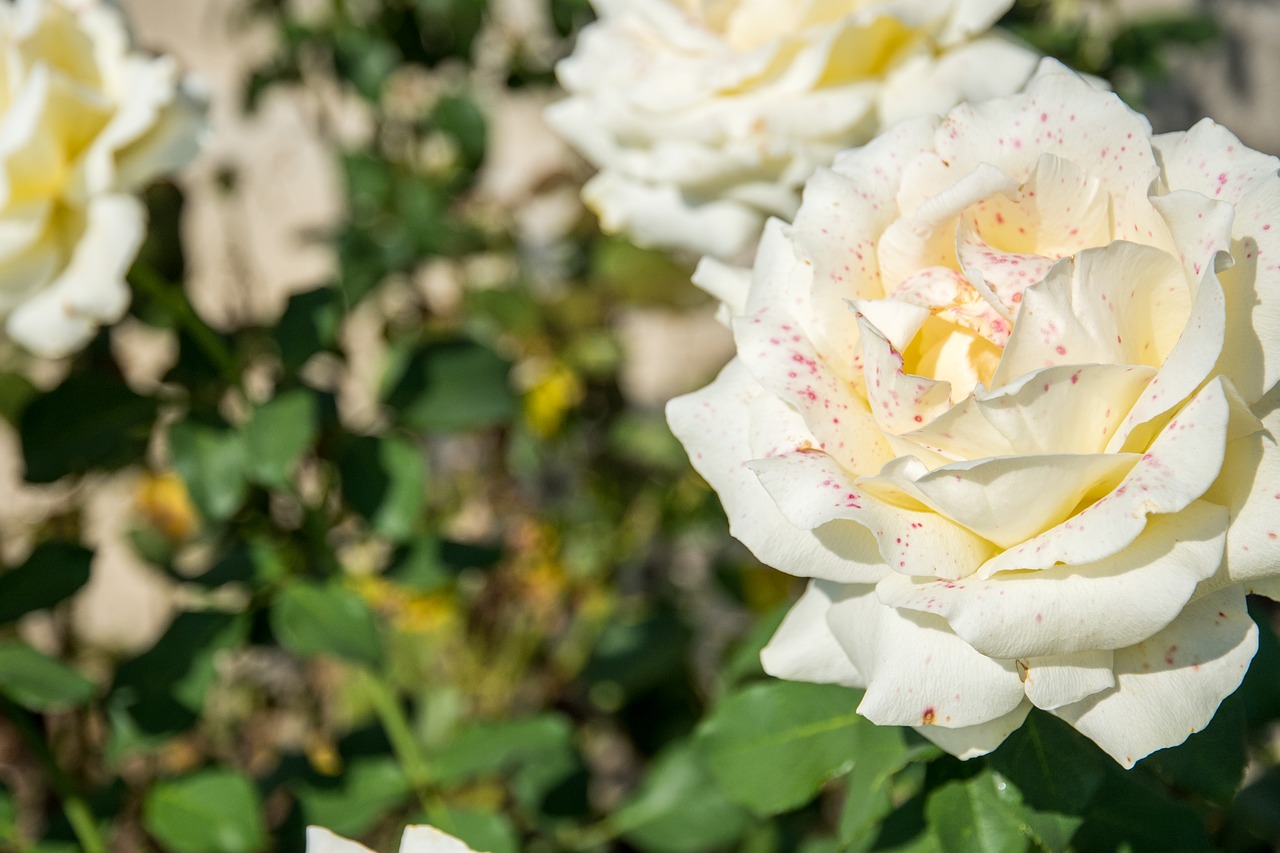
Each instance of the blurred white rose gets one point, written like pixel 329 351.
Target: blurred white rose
pixel 416 839
pixel 85 120
pixel 1007 391
pixel 706 116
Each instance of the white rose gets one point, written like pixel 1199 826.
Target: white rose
pixel 1007 391
pixel 416 839
pixel 707 116
pixel 84 121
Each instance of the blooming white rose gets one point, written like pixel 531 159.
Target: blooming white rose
pixel 416 839
pixel 1006 391
pixel 707 116
pixel 84 121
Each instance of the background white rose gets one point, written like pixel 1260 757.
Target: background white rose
pixel 1006 391
pixel 706 117
pixel 416 839
pixel 84 121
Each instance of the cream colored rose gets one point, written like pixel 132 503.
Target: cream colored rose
pixel 416 839
pixel 706 116
pixel 84 121
pixel 1006 391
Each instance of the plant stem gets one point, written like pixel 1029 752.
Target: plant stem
pixel 74 805
pixel 398 731
pixel 171 298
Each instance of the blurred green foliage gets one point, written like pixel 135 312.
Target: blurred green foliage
pixel 502 603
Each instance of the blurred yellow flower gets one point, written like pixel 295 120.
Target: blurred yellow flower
pixel 163 502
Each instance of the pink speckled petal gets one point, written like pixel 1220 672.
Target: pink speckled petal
pixel 1250 487
pixel 918 673
pixel 899 401
pixel 1127 597
pixel 1178 468
pixel 715 427
pixel 972 741
pixel 1063 115
pixel 813 491
pixel 1007 499
pixel 1122 304
pixel 804 649
pixel 1169 686
pixel 1057 680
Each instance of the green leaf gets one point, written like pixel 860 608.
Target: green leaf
pixel 385 480
pixel 40 683
pixel 53 573
pixel 882 752
pixel 479 830
pixel 276 437
pixel 459 118
pixel 351 804
pixel 214 811
pixel 8 816
pixel 309 325
pixel 490 749
pixel 211 462
pixel 454 386
pixel 312 619
pixel 164 688
pixel 679 808
pixel 774 745
pixel 86 423
pixel 970 816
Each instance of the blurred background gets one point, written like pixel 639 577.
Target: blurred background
pixel 381 521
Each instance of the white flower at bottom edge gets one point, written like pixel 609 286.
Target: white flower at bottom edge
pixel 416 839
pixel 1007 392
pixel 85 121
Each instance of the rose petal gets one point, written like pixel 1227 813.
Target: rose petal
pixel 971 741
pixel 1115 602
pixel 1169 687
pixel 1005 500
pixel 811 490
pixel 918 673
pixel 1057 680
pixel 714 426
pixel 428 839
pixel 1249 486
pixel 1178 468
pixel 804 649
pixel 321 840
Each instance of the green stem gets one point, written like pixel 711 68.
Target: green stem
pixel 171 298
pixel 74 805
pixel 403 744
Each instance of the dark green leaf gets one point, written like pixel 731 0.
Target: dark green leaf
pixel 775 744
pixel 15 392
pixel 164 688
pixel 882 752
pixel 452 386
pixel 214 811
pixel 276 437
pixel 86 423
pixel 1210 762
pixel 1055 767
pixel 40 683
pixel 679 808
pixel 211 461
pixel 1130 810
pixel 309 326
pixel 53 572
pixel 385 480
pixel 313 619
pixel 459 118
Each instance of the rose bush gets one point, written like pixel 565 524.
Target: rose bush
pixel 706 117
pixel 1006 391
pixel 84 121
pixel 416 839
